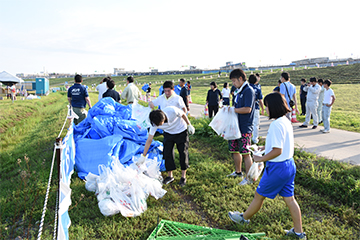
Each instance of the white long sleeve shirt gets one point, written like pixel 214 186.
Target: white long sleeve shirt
pixel 313 93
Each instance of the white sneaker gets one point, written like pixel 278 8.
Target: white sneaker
pixel 245 181
pixel 326 131
pixel 291 232
pixel 234 174
pixel 238 217
pixel 321 130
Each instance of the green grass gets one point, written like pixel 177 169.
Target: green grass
pixel 328 192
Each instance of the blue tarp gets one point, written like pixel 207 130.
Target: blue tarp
pixel 177 89
pixel 145 87
pixel 161 90
pixel 109 132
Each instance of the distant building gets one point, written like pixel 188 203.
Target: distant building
pixel 230 66
pixel 122 72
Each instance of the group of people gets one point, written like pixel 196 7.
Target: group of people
pixel 215 99
pixel 317 99
pixel 280 170
pixel 11 92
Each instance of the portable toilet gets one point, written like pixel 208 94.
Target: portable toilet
pixel 42 86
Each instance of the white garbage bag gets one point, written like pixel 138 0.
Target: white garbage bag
pixel 141 115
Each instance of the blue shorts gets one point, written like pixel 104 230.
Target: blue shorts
pixel 278 178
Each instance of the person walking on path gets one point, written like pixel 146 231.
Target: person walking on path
pixel 225 93
pixel 78 96
pixel 254 83
pixel 184 93
pixel 169 98
pixel 289 91
pixel 313 91
pixel 111 92
pixel 303 95
pixel 212 99
pixel 102 87
pixel 329 99
pixel 279 173
pixel 176 128
pixel 188 86
pixel 320 100
pixel 148 92
pixel 244 107
pixel 131 92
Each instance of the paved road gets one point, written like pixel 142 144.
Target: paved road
pixel 337 145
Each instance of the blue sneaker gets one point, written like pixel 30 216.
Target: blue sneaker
pixel 291 232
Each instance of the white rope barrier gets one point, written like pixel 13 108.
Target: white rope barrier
pixel 46 196
pixel 56 215
pixel 48 190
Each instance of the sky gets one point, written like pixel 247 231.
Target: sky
pixel 78 36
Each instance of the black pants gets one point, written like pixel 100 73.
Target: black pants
pixel 303 105
pixel 212 109
pixel 182 144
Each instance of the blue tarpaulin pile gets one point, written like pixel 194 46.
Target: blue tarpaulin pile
pixel 108 133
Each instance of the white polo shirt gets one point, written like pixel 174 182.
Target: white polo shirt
pixel 174 100
pixel 102 88
pixel 175 123
pixel 280 135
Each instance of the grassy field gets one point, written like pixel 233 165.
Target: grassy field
pixel 328 192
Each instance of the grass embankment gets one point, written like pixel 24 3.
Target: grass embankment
pixel 328 192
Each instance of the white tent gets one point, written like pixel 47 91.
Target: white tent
pixel 7 79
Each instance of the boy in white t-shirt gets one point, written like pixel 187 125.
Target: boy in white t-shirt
pixel 176 126
pixel 279 173
pixel 329 99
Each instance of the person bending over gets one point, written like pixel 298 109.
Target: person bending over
pixel 176 127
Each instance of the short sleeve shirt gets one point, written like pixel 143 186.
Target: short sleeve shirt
pixel 246 98
pixel 327 96
pixel 258 94
pixel 225 93
pixel 280 135
pixel 101 88
pixel 112 93
pixel 173 100
pixel 175 123
pixel 291 88
pixel 78 93
pixel 184 94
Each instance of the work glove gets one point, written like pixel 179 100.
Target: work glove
pixel 141 160
pixel 191 129
pixel 231 110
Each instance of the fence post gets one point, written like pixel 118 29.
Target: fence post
pixel 58 160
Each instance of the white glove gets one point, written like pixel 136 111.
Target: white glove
pixel 141 160
pixel 231 110
pixel 191 129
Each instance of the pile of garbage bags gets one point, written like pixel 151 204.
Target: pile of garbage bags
pixel 108 143
pixel 125 189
